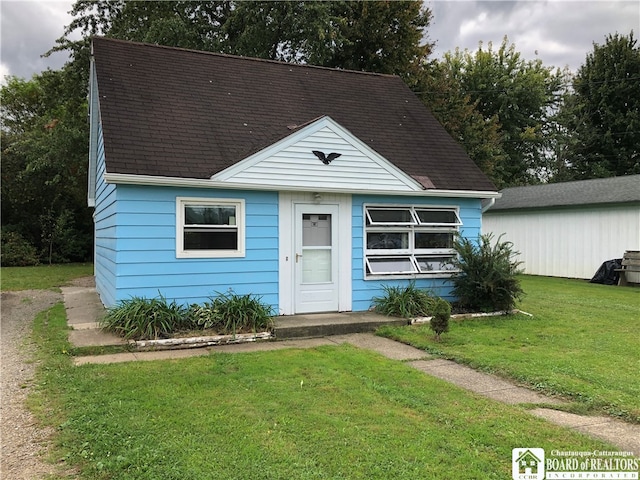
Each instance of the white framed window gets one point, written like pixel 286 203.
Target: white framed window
pixel 409 240
pixel 209 227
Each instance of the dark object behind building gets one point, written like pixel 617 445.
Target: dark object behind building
pixel 606 274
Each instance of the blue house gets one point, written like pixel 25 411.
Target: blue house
pixel 307 186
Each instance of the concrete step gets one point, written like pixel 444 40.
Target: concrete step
pixel 325 324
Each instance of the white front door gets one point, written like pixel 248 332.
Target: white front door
pixel 316 258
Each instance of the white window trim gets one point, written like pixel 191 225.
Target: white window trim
pixel 411 253
pixel 414 266
pixel 239 205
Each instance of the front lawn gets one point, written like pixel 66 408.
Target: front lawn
pixel 42 277
pixel 330 412
pixel 582 342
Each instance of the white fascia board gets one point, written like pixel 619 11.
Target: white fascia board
pixel 305 132
pixel 147 180
pixel 94 119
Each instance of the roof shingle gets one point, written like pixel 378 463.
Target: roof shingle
pixel 624 189
pixel 189 114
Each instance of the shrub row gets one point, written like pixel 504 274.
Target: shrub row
pixel 228 313
pixel 485 281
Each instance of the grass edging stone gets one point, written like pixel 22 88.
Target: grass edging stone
pixel 198 342
pixel 461 316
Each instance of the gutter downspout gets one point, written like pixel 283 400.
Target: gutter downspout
pixel 492 201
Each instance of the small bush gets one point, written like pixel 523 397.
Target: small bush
pixel 486 279
pixel 145 319
pixel 406 302
pixel 440 314
pixel 17 251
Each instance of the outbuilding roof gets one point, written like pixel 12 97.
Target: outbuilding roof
pixel 189 114
pixel 625 189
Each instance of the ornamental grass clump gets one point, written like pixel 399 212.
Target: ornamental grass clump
pixel 145 319
pixel 411 302
pixel 235 313
pixel 486 278
pixel 404 302
pixel 149 319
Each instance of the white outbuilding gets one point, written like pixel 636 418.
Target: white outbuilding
pixel 568 229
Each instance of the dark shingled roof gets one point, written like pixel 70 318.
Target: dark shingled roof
pixel 570 194
pixel 189 114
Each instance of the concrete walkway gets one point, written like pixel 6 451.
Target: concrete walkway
pixel 84 308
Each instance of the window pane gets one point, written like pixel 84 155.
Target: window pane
pixel 379 215
pixel 316 231
pixel 387 241
pixel 391 265
pixel 219 239
pixel 434 264
pixel 434 240
pixel 438 216
pixel 316 266
pixel 209 215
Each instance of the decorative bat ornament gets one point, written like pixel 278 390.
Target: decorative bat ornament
pixel 326 159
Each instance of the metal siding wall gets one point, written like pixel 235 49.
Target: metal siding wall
pixel 569 242
pixel 147 263
pixel 365 290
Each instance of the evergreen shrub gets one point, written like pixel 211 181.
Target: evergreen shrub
pixel 440 314
pixel 486 278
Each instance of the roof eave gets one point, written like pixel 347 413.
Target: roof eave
pixel 147 180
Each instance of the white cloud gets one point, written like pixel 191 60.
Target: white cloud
pixel 562 32
pixel 29 29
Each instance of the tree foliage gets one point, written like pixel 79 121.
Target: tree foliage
pixel 520 95
pixel 380 36
pixel 44 156
pixel 602 114
pixel 458 113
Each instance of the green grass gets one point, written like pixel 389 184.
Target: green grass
pixel 582 343
pixel 42 277
pixel 329 412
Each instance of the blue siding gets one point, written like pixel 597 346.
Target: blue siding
pixel 136 246
pixel 365 290
pixel 105 225
pixel 146 255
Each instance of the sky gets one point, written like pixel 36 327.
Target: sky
pixel 559 32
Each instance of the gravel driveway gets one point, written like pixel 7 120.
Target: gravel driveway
pixel 23 443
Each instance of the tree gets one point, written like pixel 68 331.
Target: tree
pixel 602 114
pixel 44 155
pixel 457 112
pixel 384 37
pixel 521 95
